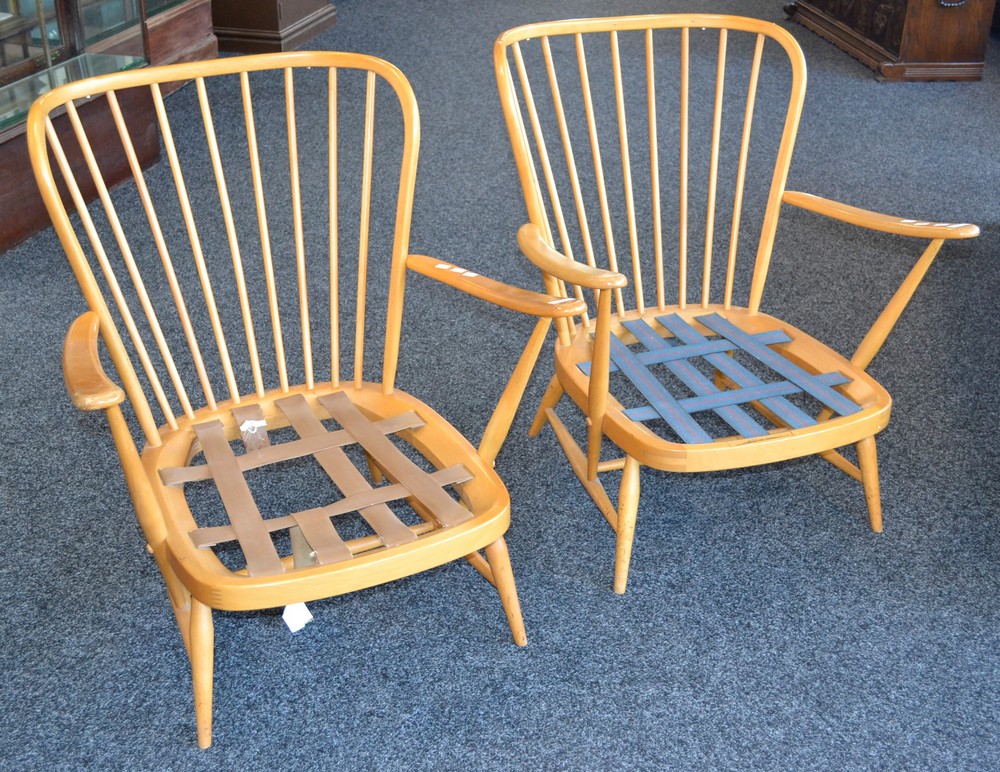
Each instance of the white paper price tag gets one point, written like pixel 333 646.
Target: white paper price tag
pixel 296 616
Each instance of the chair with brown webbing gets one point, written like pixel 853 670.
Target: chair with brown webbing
pixel 235 287
pixel 653 180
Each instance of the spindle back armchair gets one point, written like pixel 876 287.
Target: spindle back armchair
pixel 653 180
pixel 248 291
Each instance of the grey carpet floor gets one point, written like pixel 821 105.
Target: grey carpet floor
pixel 765 626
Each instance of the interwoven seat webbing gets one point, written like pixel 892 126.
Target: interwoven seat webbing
pixel 443 507
pixel 808 382
pixel 255 539
pixel 660 399
pixel 698 382
pixel 351 482
pixel 686 344
pixel 212 535
pixel 790 413
pixel 253 532
pixel 286 451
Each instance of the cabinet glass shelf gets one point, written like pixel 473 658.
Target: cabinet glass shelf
pixel 16 98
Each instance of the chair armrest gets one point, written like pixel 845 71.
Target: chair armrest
pixel 496 292
pixel 546 259
pixel 880 222
pixel 88 385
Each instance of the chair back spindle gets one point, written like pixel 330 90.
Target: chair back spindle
pixel 240 182
pixel 637 144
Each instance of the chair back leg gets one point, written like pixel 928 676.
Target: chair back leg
pixel 503 578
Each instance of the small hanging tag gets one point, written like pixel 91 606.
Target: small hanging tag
pixel 254 434
pixel 296 616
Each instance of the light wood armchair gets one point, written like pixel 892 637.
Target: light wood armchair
pixel 653 181
pixel 232 287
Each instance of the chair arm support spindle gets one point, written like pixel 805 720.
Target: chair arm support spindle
pixel 876 336
pixel 544 307
pixel 493 291
pixel 552 262
pixel 88 385
pixel 937 232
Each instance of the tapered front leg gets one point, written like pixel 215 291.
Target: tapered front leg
pixel 628 507
pixel 202 653
pixel 503 576
pixel 868 462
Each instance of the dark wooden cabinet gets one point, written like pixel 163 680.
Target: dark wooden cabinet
pixel 905 39
pixel 269 25
pixel 182 31
pixel 22 212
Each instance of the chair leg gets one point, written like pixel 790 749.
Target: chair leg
pixel 628 506
pixel 868 461
pixel 503 576
pixel 552 396
pixel 202 653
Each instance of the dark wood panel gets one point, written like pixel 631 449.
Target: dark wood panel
pixel 22 212
pixel 905 39
pixel 180 34
pixel 879 22
pixel 269 25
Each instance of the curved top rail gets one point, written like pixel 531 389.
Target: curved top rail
pixel 147 76
pixel 651 21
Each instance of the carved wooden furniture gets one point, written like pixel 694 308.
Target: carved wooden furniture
pixel 653 185
pixel 269 25
pixel 905 39
pixel 244 290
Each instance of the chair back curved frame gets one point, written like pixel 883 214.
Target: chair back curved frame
pixel 536 163
pixel 42 137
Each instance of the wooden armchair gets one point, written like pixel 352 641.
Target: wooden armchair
pixel 653 182
pixel 233 286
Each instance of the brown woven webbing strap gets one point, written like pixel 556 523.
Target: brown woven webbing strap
pixel 254 537
pixel 286 451
pixel 252 531
pixel 210 536
pixel 325 543
pixel 443 507
pixel 351 482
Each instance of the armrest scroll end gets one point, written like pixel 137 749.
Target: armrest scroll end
pixel 88 385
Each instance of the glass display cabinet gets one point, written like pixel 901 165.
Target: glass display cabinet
pixel 44 43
